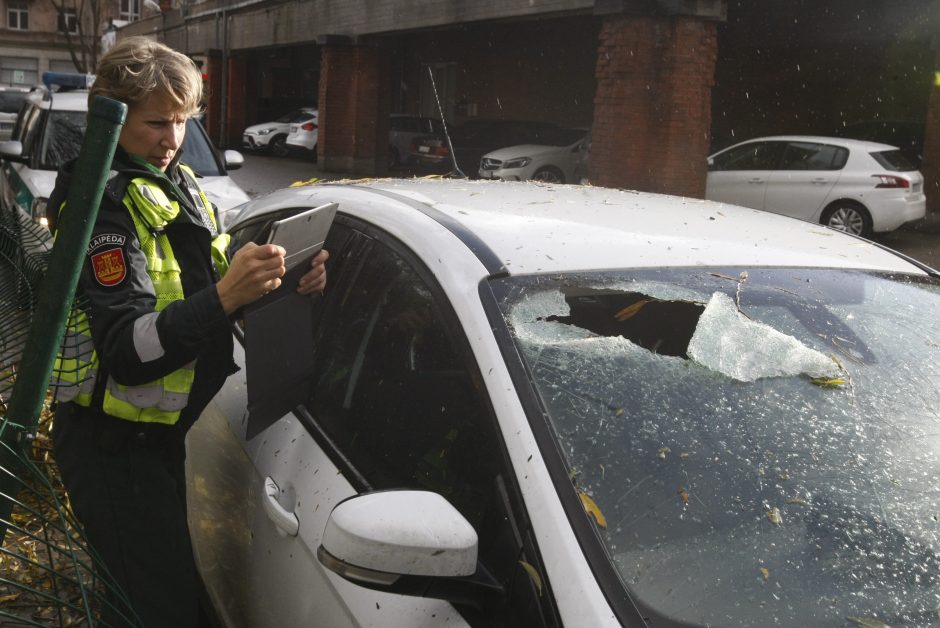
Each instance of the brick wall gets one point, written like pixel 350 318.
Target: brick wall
pixel 354 108
pixel 652 108
pixel 930 167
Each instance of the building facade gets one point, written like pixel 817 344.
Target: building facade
pixel 61 36
pixel 662 83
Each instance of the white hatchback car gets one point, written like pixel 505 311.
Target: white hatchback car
pixel 304 132
pixel 851 185
pixel 272 136
pixel 49 132
pixel 527 405
pixel 555 160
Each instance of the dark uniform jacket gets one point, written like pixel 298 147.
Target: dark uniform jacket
pixel 195 328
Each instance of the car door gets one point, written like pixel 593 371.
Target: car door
pixel 804 177
pixel 739 174
pixel 396 402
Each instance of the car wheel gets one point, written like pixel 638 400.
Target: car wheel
pixel 278 146
pixel 849 217
pixel 549 174
pixel 393 157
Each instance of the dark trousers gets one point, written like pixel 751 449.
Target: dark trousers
pixel 127 488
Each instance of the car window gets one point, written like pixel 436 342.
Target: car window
pixel 782 424
pixel 813 156
pixel 198 152
pixel 11 101
pixel 895 160
pixel 62 138
pixel 752 156
pixel 397 392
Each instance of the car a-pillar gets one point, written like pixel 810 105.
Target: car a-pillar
pixel 354 105
pixel 652 106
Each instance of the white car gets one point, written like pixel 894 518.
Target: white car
pixel 304 132
pixel 49 132
pixel 852 185
pixel 11 99
pixel 530 405
pixel 555 160
pixel 272 136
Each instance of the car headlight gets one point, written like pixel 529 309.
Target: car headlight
pixel 519 162
pixel 264 131
pixel 38 211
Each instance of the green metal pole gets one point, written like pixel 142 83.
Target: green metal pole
pixel 57 290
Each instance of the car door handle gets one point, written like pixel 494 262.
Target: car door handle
pixel 756 180
pixel 285 520
pixel 820 181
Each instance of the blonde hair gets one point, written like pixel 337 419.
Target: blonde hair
pixel 136 67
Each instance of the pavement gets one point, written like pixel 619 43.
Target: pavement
pixel 919 240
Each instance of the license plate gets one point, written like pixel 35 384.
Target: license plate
pixel 424 149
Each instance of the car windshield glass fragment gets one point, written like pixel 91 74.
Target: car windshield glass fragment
pixel 778 427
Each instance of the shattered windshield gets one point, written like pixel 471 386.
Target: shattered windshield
pixel 755 446
pixel 62 139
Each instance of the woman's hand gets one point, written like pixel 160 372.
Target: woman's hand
pixel 254 271
pixel 314 280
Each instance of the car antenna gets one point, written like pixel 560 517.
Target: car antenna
pixel 450 144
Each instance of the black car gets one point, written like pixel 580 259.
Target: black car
pixel 473 139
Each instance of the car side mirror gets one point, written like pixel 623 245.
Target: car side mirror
pixel 12 149
pixel 233 159
pixel 406 542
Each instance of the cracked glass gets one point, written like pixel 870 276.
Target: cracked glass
pixel 755 446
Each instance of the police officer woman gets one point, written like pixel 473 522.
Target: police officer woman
pixel 160 294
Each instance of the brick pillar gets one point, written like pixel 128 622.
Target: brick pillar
pixel 930 166
pixel 652 108
pixel 354 105
pixel 236 110
pixel 213 96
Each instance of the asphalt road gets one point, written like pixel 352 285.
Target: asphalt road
pixel 262 174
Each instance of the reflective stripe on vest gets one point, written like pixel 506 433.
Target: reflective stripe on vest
pixel 76 367
pixel 161 400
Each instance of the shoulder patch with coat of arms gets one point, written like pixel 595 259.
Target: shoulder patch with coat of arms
pixel 106 251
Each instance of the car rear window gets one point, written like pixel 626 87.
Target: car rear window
pixel 893 160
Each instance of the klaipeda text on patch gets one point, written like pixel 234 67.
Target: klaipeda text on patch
pixel 111 239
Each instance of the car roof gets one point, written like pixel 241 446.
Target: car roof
pixel 851 144
pixel 76 100
pixel 528 227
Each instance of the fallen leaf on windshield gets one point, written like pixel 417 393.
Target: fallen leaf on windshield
pixel 775 516
pixel 631 310
pixel 868 622
pixel 826 382
pixel 683 494
pixel 684 455
pixel 590 507
pixel 663 451
pixel 765 572
pixel 533 576
pixel 796 501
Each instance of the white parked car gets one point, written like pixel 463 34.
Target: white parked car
pixel 11 99
pixel 528 405
pixel 852 185
pixel 49 132
pixel 304 132
pixel 554 160
pixel 272 136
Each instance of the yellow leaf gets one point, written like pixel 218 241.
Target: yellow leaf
pixel 533 575
pixel 9 598
pixel 631 310
pixel 590 507
pixel 775 516
pixel 827 383
pixel 663 451
pixel 765 572
pixel 683 494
